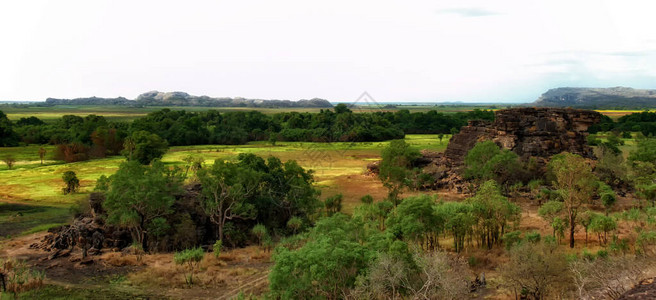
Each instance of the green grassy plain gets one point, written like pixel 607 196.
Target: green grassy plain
pixel 32 193
pixel 123 113
pixel 128 114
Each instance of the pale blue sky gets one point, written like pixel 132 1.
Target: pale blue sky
pixel 460 50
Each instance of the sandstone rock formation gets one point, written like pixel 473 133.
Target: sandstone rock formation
pixel 597 98
pixel 530 132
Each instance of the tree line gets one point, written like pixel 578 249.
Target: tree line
pixel 644 122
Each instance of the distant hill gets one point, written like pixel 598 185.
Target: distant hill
pixel 155 98
pixel 598 98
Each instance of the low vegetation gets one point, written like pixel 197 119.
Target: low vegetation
pixel 560 228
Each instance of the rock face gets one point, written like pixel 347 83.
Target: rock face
pixel 597 98
pixel 530 132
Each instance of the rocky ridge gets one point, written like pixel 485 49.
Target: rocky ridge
pixel 598 98
pixel 535 133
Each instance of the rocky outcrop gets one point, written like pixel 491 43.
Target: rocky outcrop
pixel 644 290
pixel 530 132
pixel 597 98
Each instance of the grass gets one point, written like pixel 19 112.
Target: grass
pixel 19 219
pixel 34 190
pixel 56 292
pixel 128 114
pixel 122 113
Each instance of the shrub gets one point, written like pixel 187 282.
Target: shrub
pixel 536 270
pixel 71 181
pixel 191 258
pixel 216 248
pixel 260 232
pixel 533 237
pixel 367 199
pixel 295 224
pixel 511 238
pixel 602 253
pixel 9 161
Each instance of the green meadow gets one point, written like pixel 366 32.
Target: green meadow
pixel 124 113
pixel 31 197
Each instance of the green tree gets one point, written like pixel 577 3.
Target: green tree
pixel 8 137
pixel 71 181
pixel 333 204
pixel 226 190
pixel 585 219
pixel 440 136
pixel 191 258
pixel 487 161
pixel 138 196
pixel 477 159
pixel 550 211
pixel 415 219
pixel 493 213
pixel 602 225
pixel 574 182
pixel 144 147
pixel 395 167
pixel 260 232
pixel 327 266
pixel 459 220
pixel 295 224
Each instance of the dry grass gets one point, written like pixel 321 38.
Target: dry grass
pixel 232 268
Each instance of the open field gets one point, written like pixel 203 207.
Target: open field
pixel 127 114
pixel 122 113
pixel 34 190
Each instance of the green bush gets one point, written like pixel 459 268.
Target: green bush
pixel 295 224
pixel 533 237
pixel 511 238
pixel 191 258
pixel 216 248
pixel 260 232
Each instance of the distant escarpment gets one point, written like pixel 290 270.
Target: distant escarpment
pixel 598 98
pixel 537 133
pixel 155 98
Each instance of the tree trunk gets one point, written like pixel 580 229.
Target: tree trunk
pixel 572 226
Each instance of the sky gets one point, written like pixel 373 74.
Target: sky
pixel 397 51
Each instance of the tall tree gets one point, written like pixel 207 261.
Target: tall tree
pixel 144 146
pixel 395 167
pixel 575 182
pixel 139 196
pixel 8 137
pixel 227 188
pixel 493 213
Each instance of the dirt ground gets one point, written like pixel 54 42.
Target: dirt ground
pixel 152 276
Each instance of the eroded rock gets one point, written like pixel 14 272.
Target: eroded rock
pixel 530 132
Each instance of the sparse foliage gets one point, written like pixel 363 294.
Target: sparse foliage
pixel 10 161
pixel 574 182
pixel 191 258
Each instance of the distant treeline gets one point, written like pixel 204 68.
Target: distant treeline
pixel 644 122
pixel 156 98
pixel 96 136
